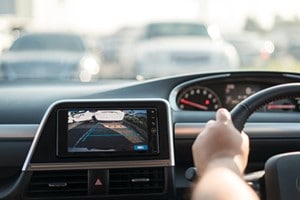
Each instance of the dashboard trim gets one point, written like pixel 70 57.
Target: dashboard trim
pixel 182 130
pixel 37 136
pixel 254 130
pixel 98 165
pixel 18 131
pixel 291 75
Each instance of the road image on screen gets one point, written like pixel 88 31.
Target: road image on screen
pixel 107 130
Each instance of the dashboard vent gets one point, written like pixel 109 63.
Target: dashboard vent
pixel 58 184
pixel 134 181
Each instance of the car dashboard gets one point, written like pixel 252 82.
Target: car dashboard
pixel 31 168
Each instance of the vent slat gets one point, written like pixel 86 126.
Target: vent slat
pixel 69 182
pixel 121 181
pixel 58 184
pixel 125 181
pixel 44 191
pixel 136 188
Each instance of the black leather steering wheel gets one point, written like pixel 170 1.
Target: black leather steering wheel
pixel 242 111
pixel 282 172
pixel 282 180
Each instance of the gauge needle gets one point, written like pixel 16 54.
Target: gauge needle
pixel 273 106
pixel 193 104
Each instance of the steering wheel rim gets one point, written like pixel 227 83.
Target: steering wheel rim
pixel 277 174
pixel 275 168
pixel 242 111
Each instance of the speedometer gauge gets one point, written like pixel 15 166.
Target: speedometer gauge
pixel 198 98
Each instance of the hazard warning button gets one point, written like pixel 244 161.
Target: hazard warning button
pixel 97 181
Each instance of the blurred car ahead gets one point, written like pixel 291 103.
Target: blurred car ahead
pixel 253 50
pixel 110 45
pixel 60 56
pixel 170 48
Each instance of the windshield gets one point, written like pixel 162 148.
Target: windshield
pixel 91 40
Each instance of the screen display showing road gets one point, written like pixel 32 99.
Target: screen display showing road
pixel 91 130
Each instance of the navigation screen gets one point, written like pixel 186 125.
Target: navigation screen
pixel 92 130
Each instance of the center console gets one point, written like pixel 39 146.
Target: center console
pixel 102 149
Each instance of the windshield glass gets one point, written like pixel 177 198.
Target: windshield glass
pixel 91 40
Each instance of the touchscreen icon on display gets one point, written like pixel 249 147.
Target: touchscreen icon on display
pixel 140 147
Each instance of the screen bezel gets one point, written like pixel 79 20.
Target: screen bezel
pixel 153 138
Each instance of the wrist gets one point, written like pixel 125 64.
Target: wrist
pixel 227 163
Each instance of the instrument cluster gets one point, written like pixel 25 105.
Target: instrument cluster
pixel 227 94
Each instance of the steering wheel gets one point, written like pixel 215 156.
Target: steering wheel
pixel 282 172
pixel 282 180
pixel 242 111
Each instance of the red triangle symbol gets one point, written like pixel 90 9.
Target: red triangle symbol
pixel 98 182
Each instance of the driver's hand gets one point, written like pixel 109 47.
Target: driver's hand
pixel 220 143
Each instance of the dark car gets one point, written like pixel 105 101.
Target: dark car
pixel 62 56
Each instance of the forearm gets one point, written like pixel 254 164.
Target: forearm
pixel 221 181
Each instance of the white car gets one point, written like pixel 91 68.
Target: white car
pixel 172 48
pixel 61 56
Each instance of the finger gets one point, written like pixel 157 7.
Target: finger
pixel 210 123
pixel 223 115
pixel 245 138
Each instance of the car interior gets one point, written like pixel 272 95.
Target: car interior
pixel 117 119
pixel 39 163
